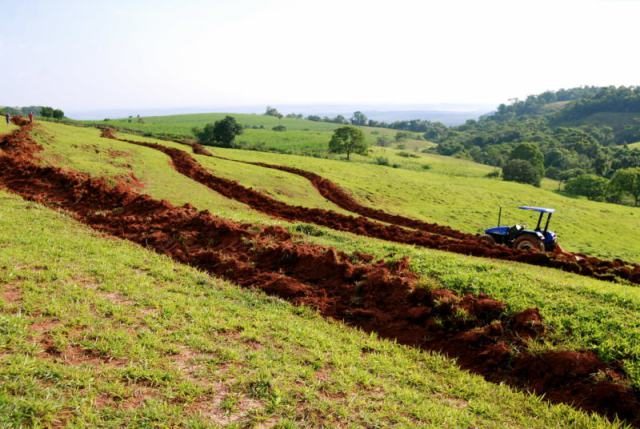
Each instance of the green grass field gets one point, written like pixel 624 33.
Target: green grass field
pixel 301 137
pixel 582 313
pixel 4 128
pixel 102 333
pixel 456 193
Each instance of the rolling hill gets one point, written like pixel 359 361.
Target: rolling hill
pixel 82 300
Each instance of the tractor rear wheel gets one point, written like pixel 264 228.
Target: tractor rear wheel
pixel 528 242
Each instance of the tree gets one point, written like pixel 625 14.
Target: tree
pixel 359 118
pixel 272 111
pixel 46 112
pixel 588 185
pixel 222 133
pixel 348 140
pixel 519 170
pixel 58 114
pixel 529 152
pixel 626 181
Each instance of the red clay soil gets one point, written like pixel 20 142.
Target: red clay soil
pixel 343 199
pixel 198 149
pixel 468 244
pixel 374 296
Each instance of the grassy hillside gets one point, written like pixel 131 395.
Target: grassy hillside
pixel 101 333
pixel 471 203
pixel 301 136
pixel 452 191
pixel 4 128
pixel 574 307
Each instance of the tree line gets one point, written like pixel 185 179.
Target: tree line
pixel 43 111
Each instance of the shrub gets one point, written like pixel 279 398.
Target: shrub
pixel 495 174
pixel 381 160
pixel 279 128
pixel 426 167
pixel 408 155
pixel 588 185
pixel 519 170
pixel 221 133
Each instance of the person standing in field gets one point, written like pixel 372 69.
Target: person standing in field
pixel 31 117
pixel 7 118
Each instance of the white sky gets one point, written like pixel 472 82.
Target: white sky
pixel 159 54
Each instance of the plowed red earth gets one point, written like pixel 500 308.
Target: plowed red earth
pixel 439 237
pixel 342 199
pixel 379 297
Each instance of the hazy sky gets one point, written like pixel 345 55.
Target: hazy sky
pixel 120 54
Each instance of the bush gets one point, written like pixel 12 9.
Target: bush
pixel 381 160
pixel 426 167
pixel 588 185
pixel 221 133
pixel 383 141
pixel 279 128
pixel 495 174
pixel 408 155
pixel 519 170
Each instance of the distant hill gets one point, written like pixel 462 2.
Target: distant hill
pixel 447 117
pixel 578 130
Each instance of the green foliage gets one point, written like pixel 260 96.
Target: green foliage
pixel 578 128
pixel 50 112
pixel 381 160
pixel 359 118
pixel 627 181
pixel 402 135
pixel 519 170
pixel 588 185
pixel 222 133
pixel 529 152
pixel 272 111
pixel 348 140
pixel 279 128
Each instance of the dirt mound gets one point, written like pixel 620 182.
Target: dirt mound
pixel 198 149
pixel 20 120
pixel 377 297
pixel 466 244
pixel 108 133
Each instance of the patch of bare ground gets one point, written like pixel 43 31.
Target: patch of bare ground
pixel 11 293
pixel 117 298
pixel 72 354
pixel 219 405
pixel 139 396
pixel 224 408
pixel 452 402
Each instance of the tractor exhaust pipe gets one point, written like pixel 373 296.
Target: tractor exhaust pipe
pixel 499 216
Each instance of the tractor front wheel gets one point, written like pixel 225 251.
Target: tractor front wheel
pixel 528 242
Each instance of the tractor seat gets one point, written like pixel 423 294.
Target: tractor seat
pixel 514 230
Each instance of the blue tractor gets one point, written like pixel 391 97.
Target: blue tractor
pixel 519 237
